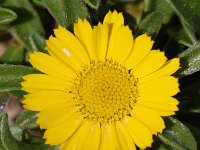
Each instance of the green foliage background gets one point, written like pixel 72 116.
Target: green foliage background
pixel 173 24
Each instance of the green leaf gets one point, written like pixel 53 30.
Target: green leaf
pixel 28 21
pixel 66 12
pixel 196 132
pixel 10 143
pixel 161 146
pixel 194 6
pixel 17 93
pixel 27 120
pixel 38 2
pixel 14 54
pixel 189 19
pixel 189 33
pixel 10 76
pixel 3 97
pixel 1 144
pixel 150 25
pixel 180 36
pixel 190 61
pixel 160 6
pixel 93 3
pixel 37 42
pixel 158 145
pixel 7 16
pixel 16 132
pixel 184 11
pixel 177 136
pixel 56 9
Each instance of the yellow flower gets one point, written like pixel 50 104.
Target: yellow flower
pixel 101 88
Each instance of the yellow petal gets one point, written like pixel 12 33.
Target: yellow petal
pixel 87 137
pixel 54 115
pixel 101 35
pixel 57 50
pixel 125 140
pixel 90 128
pixel 51 66
pixel 150 64
pixel 166 85
pixel 159 112
pixel 120 44
pixel 65 146
pixel 83 31
pixel 108 137
pixel 159 106
pixel 40 100
pixel 169 68
pixel 160 103
pixel 92 136
pixel 65 130
pixel 115 21
pixel 149 118
pixel 114 18
pixel 141 135
pixel 141 48
pixel 72 44
pixel 157 98
pixel 73 141
pixel 44 82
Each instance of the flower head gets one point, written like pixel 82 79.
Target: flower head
pixel 101 88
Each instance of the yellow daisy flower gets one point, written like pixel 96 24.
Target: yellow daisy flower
pixel 101 88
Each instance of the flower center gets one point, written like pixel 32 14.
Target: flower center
pixel 105 91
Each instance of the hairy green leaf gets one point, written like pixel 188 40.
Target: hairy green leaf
pixel 160 6
pixel 14 54
pixel 180 36
pixel 161 147
pixel 7 16
pixel 3 97
pixel 56 9
pixel 37 42
pixel 10 143
pixel 27 119
pixel 28 21
pixel 17 93
pixel 184 11
pixel 1 144
pixel 66 12
pixel 158 145
pixel 38 2
pixel 150 25
pixel 189 19
pixel 190 61
pixel 196 132
pixel 16 132
pixel 177 136
pixel 93 3
pixel 10 76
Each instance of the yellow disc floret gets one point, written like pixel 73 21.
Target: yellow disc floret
pixel 105 91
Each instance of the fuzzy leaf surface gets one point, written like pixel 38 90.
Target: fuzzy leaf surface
pixel 177 136
pixel 7 16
